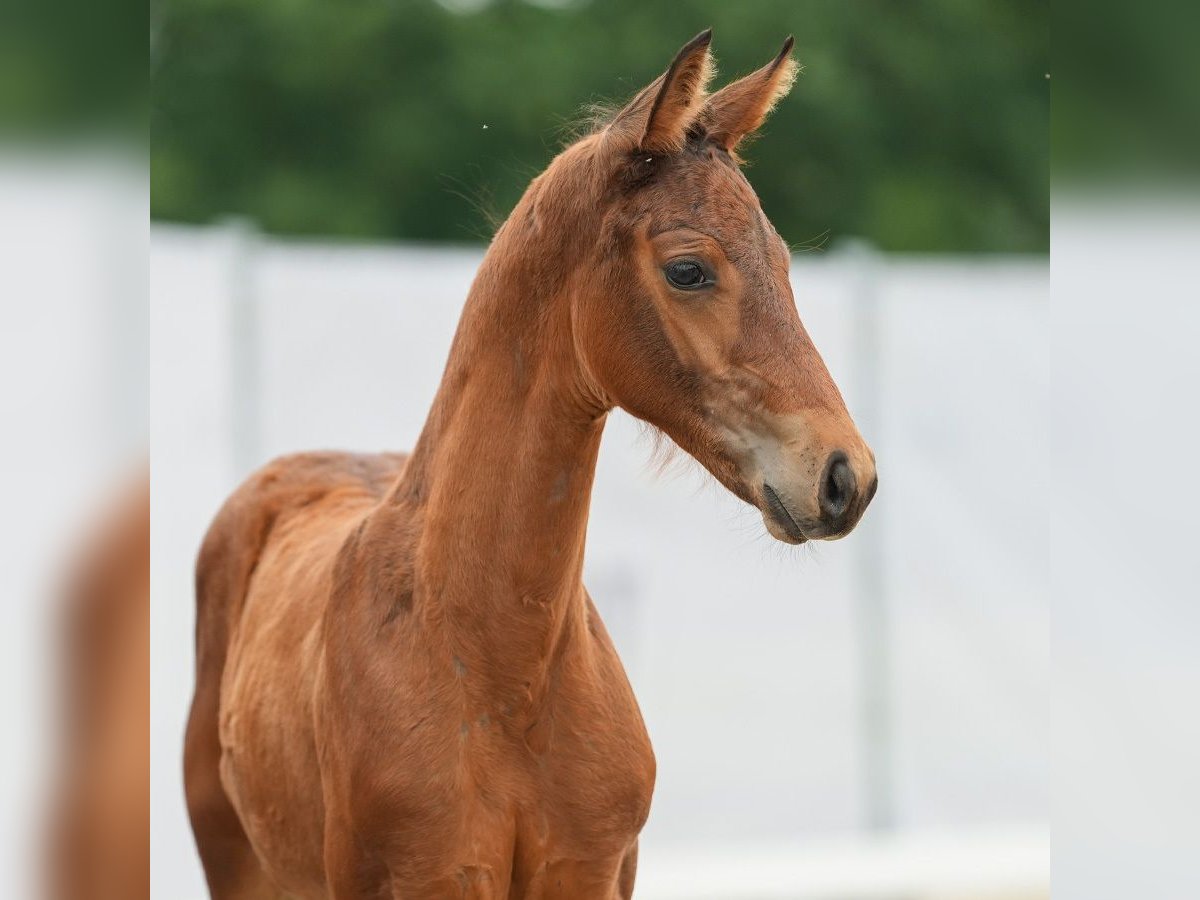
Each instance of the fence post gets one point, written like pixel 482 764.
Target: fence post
pixel 245 373
pixel 876 748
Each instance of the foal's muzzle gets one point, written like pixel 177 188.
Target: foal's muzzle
pixel 798 513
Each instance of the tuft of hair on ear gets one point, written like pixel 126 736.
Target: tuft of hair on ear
pixel 740 108
pixel 657 120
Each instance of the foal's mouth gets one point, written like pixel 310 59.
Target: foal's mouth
pixel 781 516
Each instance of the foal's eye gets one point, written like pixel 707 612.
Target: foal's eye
pixel 687 275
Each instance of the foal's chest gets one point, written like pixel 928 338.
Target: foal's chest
pixel 521 795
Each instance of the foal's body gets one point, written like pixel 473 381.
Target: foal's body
pixel 463 789
pixel 403 689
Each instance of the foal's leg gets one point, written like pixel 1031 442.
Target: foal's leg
pixel 353 874
pixel 607 879
pixel 628 873
pixel 350 874
pixel 230 864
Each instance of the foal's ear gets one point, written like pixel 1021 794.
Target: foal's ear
pixel 657 119
pixel 739 108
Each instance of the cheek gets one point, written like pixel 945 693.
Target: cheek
pixel 646 363
pixel 627 350
pixel 619 334
pixel 702 330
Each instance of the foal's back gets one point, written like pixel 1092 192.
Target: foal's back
pixel 262 584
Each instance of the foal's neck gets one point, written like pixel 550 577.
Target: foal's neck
pixel 501 476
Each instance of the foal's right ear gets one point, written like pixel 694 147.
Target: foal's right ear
pixel 657 119
pixel 740 108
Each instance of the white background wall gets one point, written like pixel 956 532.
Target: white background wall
pixel 745 655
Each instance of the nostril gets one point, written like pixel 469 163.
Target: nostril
pixel 837 487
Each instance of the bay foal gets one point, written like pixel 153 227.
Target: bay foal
pixel 403 689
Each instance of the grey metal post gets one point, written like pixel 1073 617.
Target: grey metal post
pixel 245 374
pixel 127 320
pixel 874 635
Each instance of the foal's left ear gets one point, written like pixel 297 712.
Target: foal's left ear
pixel 657 119
pixel 740 108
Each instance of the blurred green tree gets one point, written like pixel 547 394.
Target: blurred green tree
pixel 921 125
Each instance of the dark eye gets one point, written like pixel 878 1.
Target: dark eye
pixel 687 275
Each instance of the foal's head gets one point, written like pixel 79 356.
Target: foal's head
pixel 683 311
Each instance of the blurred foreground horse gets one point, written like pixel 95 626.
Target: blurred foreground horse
pixel 403 689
